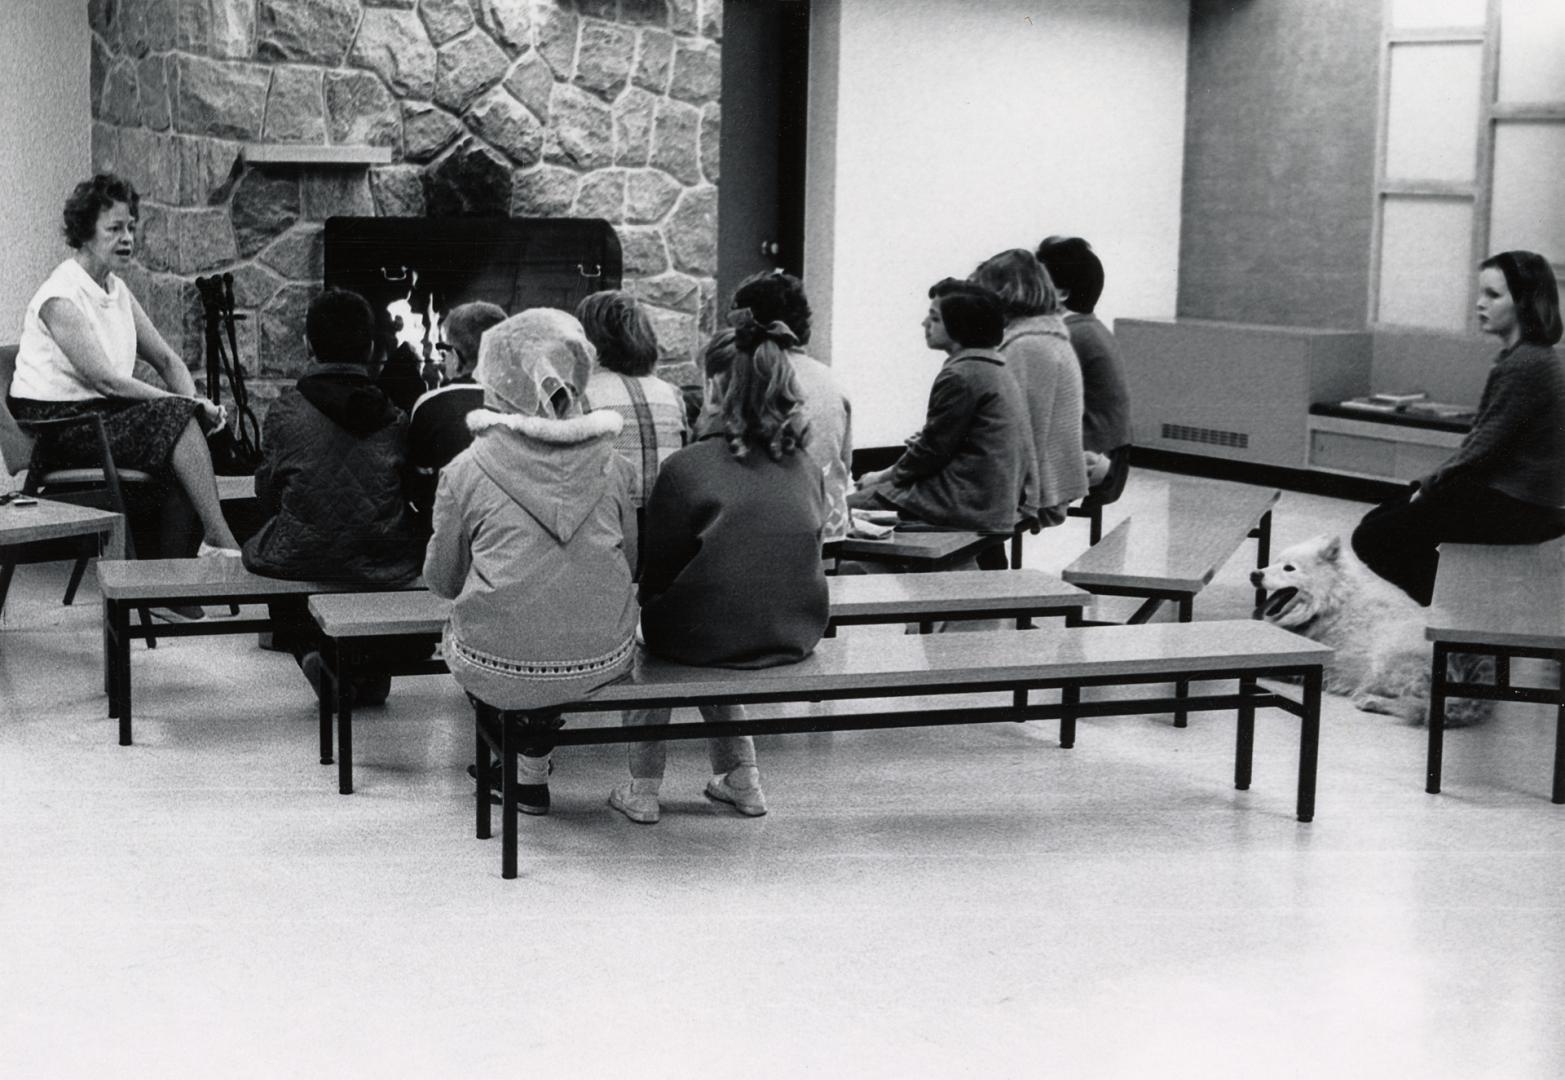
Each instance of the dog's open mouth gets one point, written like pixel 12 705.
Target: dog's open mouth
pixel 1276 603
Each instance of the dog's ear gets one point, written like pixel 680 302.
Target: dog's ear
pixel 1332 550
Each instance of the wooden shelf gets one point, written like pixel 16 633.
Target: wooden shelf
pixel 327 156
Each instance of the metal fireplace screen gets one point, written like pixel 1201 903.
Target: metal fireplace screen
pixel 416 269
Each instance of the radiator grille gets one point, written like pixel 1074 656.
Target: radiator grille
pixel 1238 440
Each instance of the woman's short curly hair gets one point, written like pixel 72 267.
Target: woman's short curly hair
pixel 89 199
pixel 620 329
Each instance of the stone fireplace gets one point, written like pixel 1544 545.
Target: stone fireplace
pixel 405 108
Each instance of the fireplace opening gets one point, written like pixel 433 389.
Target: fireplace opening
pixel 414 270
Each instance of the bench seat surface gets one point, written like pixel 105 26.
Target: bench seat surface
pixel 902 664
pixel 927 544
pixel 169 579
pixel 852 596
pixel 50 519
pixel 1500 595
pixel 1178 541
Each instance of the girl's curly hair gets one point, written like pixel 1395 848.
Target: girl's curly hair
pixel 763 407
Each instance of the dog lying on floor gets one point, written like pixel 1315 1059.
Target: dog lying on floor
pixel 1321 590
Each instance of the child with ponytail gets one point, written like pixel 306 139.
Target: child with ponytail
pixel 732 574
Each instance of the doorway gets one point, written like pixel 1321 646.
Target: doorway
pixel 760 200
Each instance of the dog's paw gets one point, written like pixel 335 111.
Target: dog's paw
pixel 1407 709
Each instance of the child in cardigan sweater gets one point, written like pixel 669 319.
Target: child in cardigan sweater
pixel 732 574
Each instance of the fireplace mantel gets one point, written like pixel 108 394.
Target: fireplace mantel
pixel 346 156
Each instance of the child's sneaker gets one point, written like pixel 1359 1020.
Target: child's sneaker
pixel 212 551
pixel 532 788
pixel 637 800
pixel 741 789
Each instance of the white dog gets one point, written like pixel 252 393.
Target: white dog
pixel 1321 590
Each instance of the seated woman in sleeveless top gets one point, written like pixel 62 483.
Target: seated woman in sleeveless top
pixel 82 334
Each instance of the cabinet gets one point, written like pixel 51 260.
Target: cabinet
pixel 1383 448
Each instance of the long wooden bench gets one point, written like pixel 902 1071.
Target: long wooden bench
pixel 129 584
pixel 352 624
pixel 1168 550
pixel 849 668
pixel 1505 602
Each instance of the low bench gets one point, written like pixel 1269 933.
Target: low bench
pixel 1505 602
pixel 909 666
pixel 352 624
pixel 1168 551
pixel 129 584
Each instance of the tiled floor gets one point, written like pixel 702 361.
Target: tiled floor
pixel 941 902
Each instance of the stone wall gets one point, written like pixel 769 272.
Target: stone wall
pixel 528 108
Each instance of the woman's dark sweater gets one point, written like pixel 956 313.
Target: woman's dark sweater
pixel 1517 444
pixel 732 574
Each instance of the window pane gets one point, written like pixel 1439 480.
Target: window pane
pixel 1532 41
pixel 1425 256
pixel 1432 119
pixel 1409 14
pixel 1528 208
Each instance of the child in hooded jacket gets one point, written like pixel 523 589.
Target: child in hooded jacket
pixel 535 537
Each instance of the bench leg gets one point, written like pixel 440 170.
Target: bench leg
pixel 1263 550
pixel 1559 737
pixel 1436 719
pixel 108 661
pixel 325 694
pixel 120 700
pixel 342 684
pixel 510 740
pixel 1244 749
pixel 1069 696
pixel 1309 743
pixel 1182 687
pixel 484 769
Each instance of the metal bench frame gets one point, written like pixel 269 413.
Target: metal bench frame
pixel 1441 687
pixel 345 657
pixel 514 726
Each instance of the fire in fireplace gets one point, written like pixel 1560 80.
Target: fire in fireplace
pixel 414 270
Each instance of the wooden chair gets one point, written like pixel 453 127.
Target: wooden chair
pixel 102 486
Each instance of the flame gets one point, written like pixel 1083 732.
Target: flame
pixel 413 327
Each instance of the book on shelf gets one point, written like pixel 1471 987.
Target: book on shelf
pixel 1397 398
pixel 1438 410
pixel 1368 405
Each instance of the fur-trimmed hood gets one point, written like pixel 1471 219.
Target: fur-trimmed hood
pixel 556 470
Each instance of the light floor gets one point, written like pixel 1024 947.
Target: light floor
pixel 942 902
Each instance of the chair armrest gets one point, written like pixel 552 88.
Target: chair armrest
pixel 111 474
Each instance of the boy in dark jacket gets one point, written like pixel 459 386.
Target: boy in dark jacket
pixel 331 477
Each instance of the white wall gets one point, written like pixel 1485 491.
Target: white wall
pixel 959 129
pixel 45 132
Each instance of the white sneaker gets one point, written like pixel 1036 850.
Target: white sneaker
pixel 637 800
pixel 212 551
pixel 745 796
